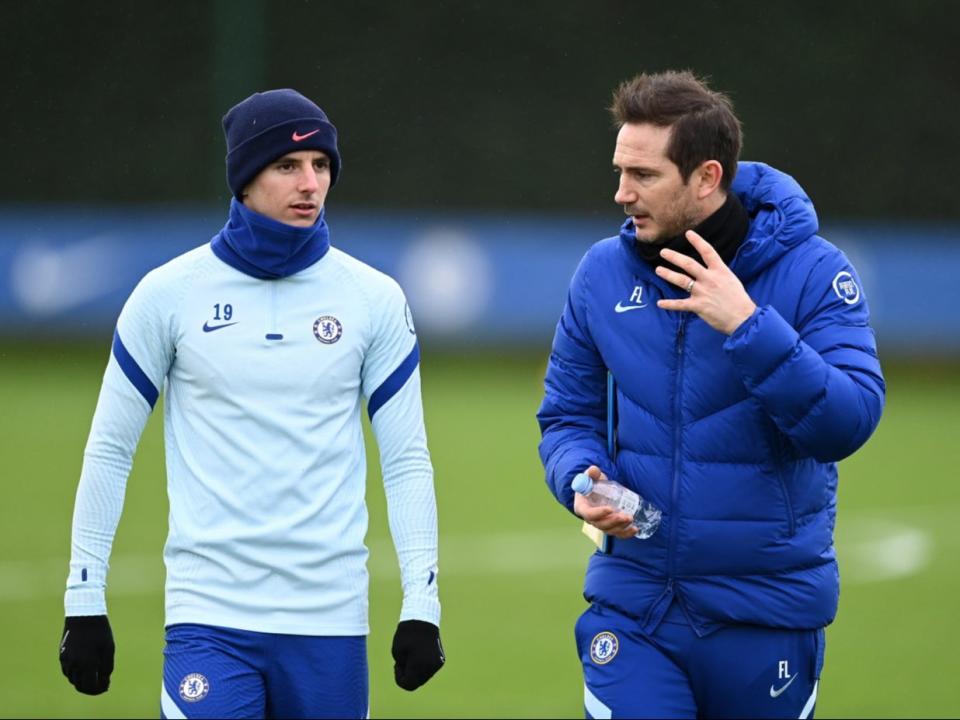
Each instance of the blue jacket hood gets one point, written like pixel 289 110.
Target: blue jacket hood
pixel 781 213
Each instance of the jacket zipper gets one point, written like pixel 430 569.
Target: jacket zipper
pixel 272 330
pixel 675 490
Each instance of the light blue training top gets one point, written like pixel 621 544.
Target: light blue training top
pixel 263 381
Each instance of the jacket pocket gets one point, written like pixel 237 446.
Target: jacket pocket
pixel 780 462
pixel 791 520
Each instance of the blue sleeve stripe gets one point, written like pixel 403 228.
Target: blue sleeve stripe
pixel 133 371
pixel 391 386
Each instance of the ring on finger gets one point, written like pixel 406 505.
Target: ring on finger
pixel 690 286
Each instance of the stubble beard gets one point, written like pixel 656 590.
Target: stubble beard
pixel 678 216
pixel 676 223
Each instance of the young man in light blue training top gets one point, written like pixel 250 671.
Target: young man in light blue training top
pixel 264 340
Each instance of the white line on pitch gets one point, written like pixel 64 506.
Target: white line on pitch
pixel 871 547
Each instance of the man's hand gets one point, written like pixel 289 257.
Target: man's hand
pixel 603 517
pixel 716 294
pixel 417 653
pixel 86 653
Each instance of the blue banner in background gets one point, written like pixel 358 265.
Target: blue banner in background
pixel 474 279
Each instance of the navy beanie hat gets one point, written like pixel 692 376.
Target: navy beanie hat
pixel 269 125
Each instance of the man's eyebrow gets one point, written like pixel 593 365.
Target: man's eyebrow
pixel 291 159
pixel 635 168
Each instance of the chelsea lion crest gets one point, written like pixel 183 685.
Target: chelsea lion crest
pixel 327 329
pixel 604 647
pixel 194 687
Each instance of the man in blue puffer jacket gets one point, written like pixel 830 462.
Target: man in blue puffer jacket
pixel 744 367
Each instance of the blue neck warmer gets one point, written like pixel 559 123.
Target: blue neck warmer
pixel 268 249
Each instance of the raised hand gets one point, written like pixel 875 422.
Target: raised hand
pixel 716 294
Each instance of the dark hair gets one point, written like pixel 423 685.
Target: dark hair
pixel 703 124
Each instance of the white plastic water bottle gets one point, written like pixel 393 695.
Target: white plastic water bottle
pixel 646 517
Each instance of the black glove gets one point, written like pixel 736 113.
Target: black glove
pixel 417 653
pixel 86 653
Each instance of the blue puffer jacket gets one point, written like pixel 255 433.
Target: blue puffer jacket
pixel 735 438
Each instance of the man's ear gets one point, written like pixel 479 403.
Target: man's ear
pixel 708 177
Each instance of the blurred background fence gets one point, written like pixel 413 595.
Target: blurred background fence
pixel 494 281
pixel 475 142
pixel 476 150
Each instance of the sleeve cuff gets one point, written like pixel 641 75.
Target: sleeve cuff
pixel 761 344
pixel 426 609
pixel 85 602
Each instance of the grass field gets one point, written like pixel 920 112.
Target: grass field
pixel 511 559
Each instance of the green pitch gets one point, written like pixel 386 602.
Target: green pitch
pixel 511 559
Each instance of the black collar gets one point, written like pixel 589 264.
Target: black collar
pixel 725 229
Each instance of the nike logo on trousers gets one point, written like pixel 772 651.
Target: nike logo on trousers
pixel 774 692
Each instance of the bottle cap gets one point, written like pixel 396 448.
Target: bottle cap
pixel 582 484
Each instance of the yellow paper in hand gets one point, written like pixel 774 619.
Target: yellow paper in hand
pixel 595 534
